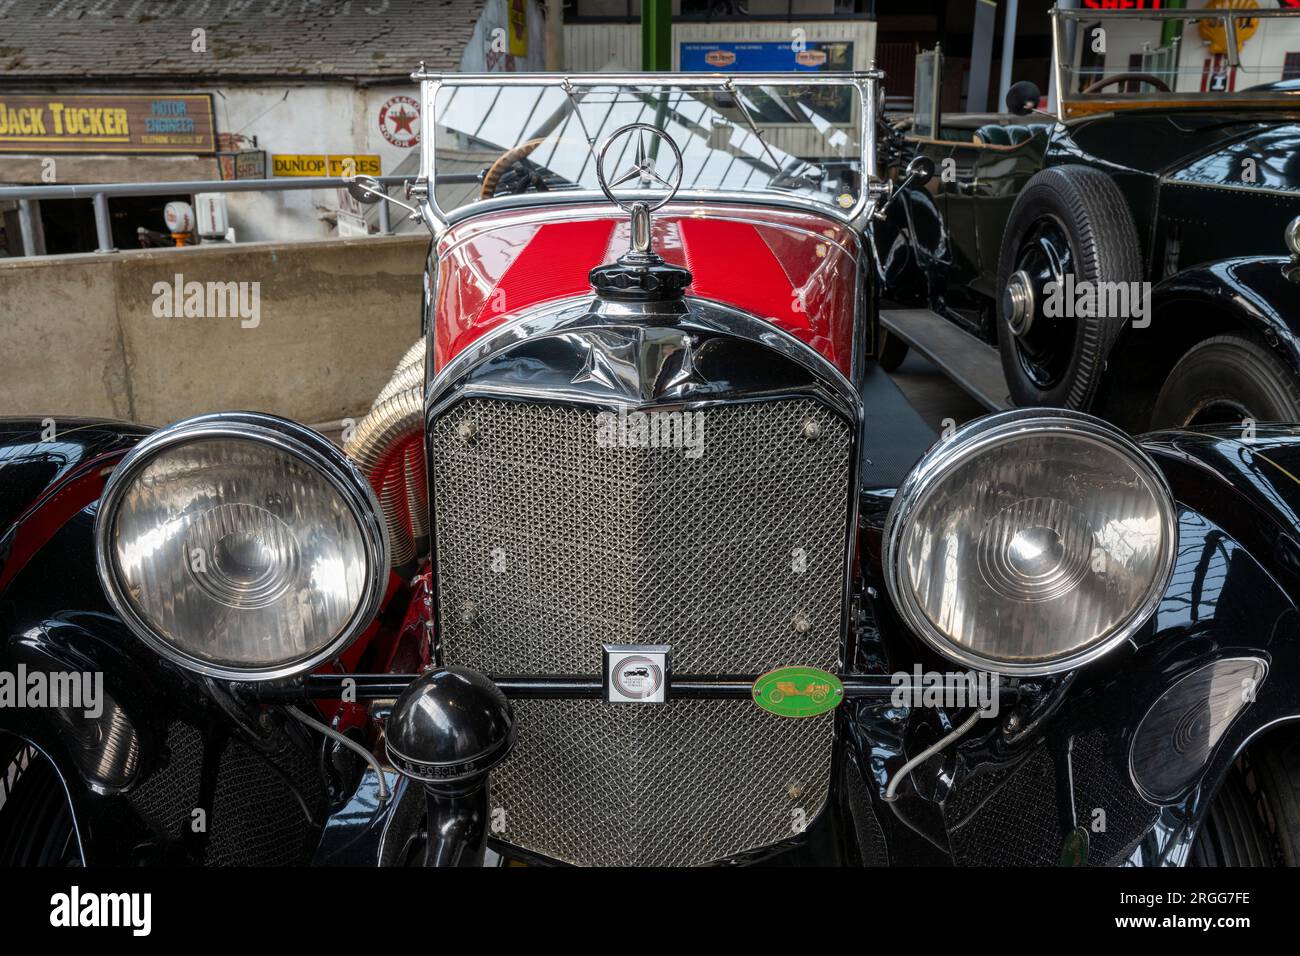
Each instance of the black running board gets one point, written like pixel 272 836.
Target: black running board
pixel 972 365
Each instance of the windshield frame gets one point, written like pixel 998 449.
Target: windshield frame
pixel 1073 106
pixel 865 85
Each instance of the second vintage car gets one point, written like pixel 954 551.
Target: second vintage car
pixel 1133 254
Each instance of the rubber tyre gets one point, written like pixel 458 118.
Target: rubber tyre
pixel 36 827
pixel 1104 245
pixel 1277 767
pixel 1255 817
pixel 892 351
pixel 1228 370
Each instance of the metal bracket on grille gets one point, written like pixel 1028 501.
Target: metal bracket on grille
pixel 637 673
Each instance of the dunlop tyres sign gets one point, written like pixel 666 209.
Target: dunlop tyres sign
pixel 161 123
pixel 324 164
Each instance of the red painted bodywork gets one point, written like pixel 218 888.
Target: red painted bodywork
pixel 796 269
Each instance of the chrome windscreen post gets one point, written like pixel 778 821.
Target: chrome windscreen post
pixel 432 214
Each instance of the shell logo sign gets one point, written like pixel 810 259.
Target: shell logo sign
pixel 1215 33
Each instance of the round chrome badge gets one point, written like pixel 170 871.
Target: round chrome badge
pixel 644 171
pixel 638 677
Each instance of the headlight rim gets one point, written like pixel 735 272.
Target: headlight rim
pixel 291 438
pixel 971 440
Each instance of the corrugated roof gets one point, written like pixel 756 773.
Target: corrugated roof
pixel 139 39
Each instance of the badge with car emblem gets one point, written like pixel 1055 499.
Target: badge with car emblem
pixel 798 691
pixel 637 673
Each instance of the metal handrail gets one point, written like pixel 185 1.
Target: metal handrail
pixel 99 193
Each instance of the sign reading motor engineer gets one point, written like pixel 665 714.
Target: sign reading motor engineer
pixel 107 124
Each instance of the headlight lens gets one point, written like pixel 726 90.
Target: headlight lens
pixel 1031 541
pixel 241 546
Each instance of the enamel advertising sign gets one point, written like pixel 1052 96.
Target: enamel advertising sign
pixel 154 123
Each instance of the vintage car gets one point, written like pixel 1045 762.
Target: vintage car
pixel 641 559
pixel 1132 254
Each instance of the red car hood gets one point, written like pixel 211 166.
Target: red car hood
pixel 795 269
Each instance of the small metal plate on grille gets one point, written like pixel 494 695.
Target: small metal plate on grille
pixel 637 673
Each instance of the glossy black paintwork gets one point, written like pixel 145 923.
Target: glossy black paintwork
pixel 1063 756
pixel 1172 167
pixel 39 455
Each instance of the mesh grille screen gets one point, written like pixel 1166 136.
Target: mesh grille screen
pixel 550 545
pixel 675 785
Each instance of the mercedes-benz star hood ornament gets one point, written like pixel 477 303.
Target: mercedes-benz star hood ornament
pixel 640 273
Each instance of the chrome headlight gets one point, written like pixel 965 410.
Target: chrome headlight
pixel 1030 542
pixel 242 546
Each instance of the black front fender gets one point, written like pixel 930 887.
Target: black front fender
pixel 196 770
pixel 1259 295
pixel 1065 769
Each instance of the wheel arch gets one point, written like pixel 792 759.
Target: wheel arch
pixel 1186 309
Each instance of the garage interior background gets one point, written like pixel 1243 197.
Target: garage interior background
pixel 302 89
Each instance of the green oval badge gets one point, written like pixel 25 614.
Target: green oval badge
pixel 798 691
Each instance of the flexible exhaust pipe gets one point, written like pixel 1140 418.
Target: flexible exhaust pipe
pixel 388 446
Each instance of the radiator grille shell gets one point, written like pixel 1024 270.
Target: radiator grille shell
pixel 549 545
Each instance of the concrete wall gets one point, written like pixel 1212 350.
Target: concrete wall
pixel 81 335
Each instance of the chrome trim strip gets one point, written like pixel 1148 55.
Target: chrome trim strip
pixel 594 209
pixel 1078 13
pixel 970 441
pixel 650 79
pixel 1057 66
pixel 310 447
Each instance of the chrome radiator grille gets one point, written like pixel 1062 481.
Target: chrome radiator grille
pixel 550 545
pixel 679 784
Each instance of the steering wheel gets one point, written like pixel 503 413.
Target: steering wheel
pixel 1147 78
pixel 506 163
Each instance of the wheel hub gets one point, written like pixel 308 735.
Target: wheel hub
pixel 1018 303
